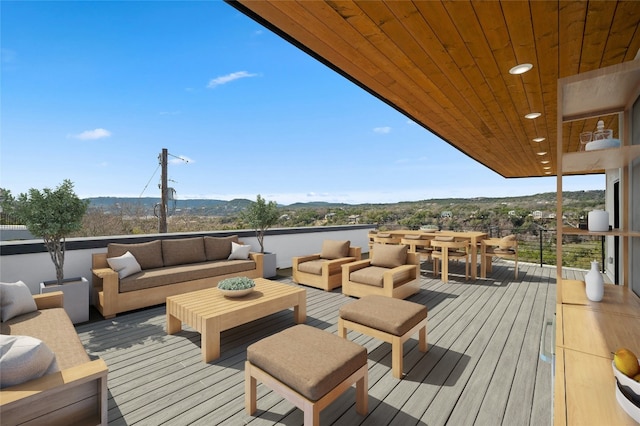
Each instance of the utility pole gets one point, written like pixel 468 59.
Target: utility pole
pixel 162 214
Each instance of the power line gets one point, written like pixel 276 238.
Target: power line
pixel 145 187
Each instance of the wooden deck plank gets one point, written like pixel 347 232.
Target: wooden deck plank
pixel 155 378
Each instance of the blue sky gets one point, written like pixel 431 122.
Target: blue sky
pixel 92 91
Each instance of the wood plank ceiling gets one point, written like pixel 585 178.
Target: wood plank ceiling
pixel 445 64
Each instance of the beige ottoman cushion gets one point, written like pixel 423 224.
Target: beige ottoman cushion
pixel 308 360
pixel 393 316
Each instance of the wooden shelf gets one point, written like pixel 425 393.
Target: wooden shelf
pixel 600 159
pixel 613 232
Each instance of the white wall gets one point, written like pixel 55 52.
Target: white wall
pixel 32 269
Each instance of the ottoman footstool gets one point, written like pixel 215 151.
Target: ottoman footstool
pixel 309 368
pixel 388 319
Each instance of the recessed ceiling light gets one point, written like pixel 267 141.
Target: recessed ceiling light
pixel 547 173
pixel 547 168
pixel 541 152
pixel 538 139
pixel 545 162
pixel 533 115
pixel 520 69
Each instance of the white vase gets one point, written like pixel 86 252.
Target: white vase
pixel 594 283
pixel 598 221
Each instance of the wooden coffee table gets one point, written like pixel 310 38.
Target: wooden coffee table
pixel 210 313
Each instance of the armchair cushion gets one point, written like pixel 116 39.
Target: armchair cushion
pixel 15 299
pixel 371 275
pixel 389 255
pixel 148 255
pixel 506 243
pixel 335 249
pixel 24 358
pixel 312 266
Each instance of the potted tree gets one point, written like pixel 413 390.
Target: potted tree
pixel 53 215
pixel 261 215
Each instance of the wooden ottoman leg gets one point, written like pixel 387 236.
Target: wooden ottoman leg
pixel 311 415
pixel 362 392
pixel 250 389
pixel 396 356
pixel 422 338
pixel 342 330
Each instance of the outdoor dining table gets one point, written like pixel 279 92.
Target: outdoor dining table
pixel 474 238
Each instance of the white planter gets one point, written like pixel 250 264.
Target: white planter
pixel 270 265
pixel 76 297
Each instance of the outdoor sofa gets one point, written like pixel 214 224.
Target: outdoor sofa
pixel 146 273
pixel 70 389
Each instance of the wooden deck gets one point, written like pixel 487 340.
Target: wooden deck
pixel 482 366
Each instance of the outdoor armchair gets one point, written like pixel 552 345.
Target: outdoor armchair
pixel 390 271
pixel 505 248
pixel 323 270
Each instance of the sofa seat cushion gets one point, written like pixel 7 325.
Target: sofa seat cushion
pixel 371 275
pixel 308 360
pixel 312 266
pixel 394 316
pixel 176 274
pixel 55 329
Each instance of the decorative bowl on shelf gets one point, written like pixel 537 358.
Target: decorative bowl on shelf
pixel 602 144
pixel 236 286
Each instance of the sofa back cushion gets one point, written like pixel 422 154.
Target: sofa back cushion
pixel 332 249
pixel 389 255
pixel 148 255
pixel 182 251
pixel 218 248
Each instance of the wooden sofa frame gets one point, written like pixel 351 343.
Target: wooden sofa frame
pixel 76 395
pixel 109 301
pixel 399 282
pixel 331 276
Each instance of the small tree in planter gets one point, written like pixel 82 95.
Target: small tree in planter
pixel 53 215
pixel 261 216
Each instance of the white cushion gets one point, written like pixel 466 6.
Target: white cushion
pixel 124 265
pixel 15 299
pixel 239 251
pixel 24 358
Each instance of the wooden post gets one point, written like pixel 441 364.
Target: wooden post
pixel 162 214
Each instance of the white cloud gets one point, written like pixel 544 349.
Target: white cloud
pixel 224 79
pixel 92 134
pixel 382 130
pixel 182 159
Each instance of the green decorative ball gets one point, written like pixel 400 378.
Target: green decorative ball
pixel 236 283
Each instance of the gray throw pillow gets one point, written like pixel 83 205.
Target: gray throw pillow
pixel 15 299
pixel 24 358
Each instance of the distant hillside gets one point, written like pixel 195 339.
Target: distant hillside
pixel 208 207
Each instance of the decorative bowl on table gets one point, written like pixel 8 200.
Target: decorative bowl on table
pixel 236 286
pixel 627 393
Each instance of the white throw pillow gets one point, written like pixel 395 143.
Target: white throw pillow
pixel 124 265
pixel 15 299
pixel 239 251
pixel 24 358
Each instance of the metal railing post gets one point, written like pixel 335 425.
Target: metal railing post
pixel 541 257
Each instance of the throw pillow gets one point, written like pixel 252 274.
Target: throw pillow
pixel 335 249
pixel 15 299
pixel 389 255
pixel 24 358
pixel 124 265
pixel 239 251
pixel 218 248
pixel 148 255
